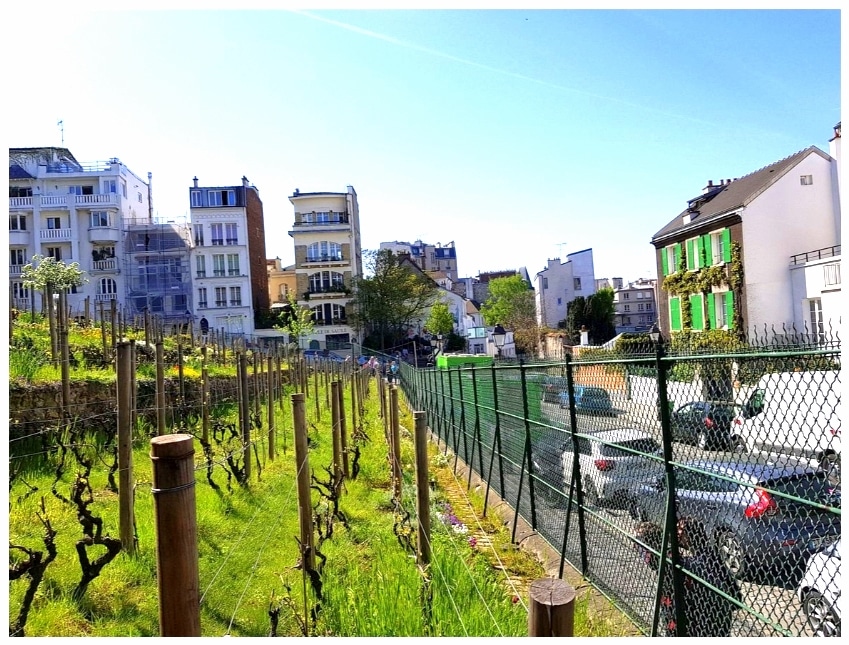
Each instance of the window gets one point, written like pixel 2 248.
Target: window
pixel 222 197
pixel 179 303
pixel 54 252
pixel 559 301
pixel 577 284
pixel 720 307
pixel 202 301
pixel 720 246
pixel 139 197
pixel 233 264
pixel 640 295
pixel 648 306
pixel 232 236
pixel 815 308
pixel 17 222
pixel 217 234
pixel 107 286
pixel 694 247
pixel 99 219
pixel 20 191
pixel 545 283
pixel 218 265
pixel 627 320
pixel 831 274
pixel 675 314
pixel 16 257
pixel 319 251
pixel 235 296
pixel 220 296
pixel 54 223
pixel 200 266
pixel 806 180
pixel 626 296
pixel 670 257
pixel 109 186
pixel 19 290
pixel 697 316
pixel 196 200
pixel 198 234
pixel 80 190
pixel 640 307
pixel 627 307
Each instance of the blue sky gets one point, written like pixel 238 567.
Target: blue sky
pixel 520 135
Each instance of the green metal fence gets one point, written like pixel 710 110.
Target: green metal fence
pixel 727 462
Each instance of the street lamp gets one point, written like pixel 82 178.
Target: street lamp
pixel 655 334
pixel 439 341
pixel 499 335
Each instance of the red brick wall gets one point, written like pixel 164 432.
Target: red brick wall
pixel 256 250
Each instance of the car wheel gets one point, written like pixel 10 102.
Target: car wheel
pixel 732 553
pixel 830 465
pixel 591 496
pixel 821 617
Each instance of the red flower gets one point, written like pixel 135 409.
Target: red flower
pixel 515 599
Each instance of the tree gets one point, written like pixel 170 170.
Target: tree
pixel 42 272
pixel 297 321
pixel 595 313
pixel 391 297
pixel 511 304
pixel 440 320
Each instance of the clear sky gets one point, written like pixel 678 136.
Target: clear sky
pixel 521 135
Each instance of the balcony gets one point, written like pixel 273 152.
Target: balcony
pixel 218 273
pixel 53 201
pixel 19 238
pixel 55 234
pixel 15 269
pixel 340 223
pixel 203 305
pixel 200 274
pixel 235 303
pixel 324 258
pixel 327 292
pixel 819 254
pixel 96 201
pixel 104 234
pixel 20 203
pixel 107 265
pixel 105 297
pixel 220 303
pixel 334 321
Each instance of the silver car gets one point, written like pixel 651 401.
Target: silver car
pixel 610 472
pixel 819 591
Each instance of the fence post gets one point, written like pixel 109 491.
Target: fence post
pixel 551 611
pixel 354 378
pixel 335 427
pixel 270 405
pixel 103 334
pixel 422 489
pixel 113 311
pixel 126 515
pixel 204 393
pixel 176 534
pixel 496 445
pixel 160 387
pixel 395 438
pixel 302 460
pixel 245 415
pixel 343 428
pixel 576 481
pixel 64 353
pixel 315 391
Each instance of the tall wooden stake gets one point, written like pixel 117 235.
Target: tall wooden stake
pixel 126 514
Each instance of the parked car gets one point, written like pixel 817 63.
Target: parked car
pixel 589 400
pixel 819 591
pixel 609 471
pixel 552 387
pixel 754 530
pixel 795 413
pixel 706 424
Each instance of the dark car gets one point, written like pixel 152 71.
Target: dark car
pixel 706 424
pixel 754 531
pixel 589 400
pixel 552 386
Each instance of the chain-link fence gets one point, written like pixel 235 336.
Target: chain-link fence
pixel 697 488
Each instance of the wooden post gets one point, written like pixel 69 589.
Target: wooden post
pixel 176 534
pixel 114 319
pixel 204 394
pixel 103 334
pixel 180 378
pixel 146 326
pixel 303 465
pixel 255 388
pixel 552 608
pixel 343 430
pixel 395 438
pixel 422 489
pixel 354 403
pixel 315 391
pixel 336 428
pixel 245 410
pixel 124 380
pixel 87 310
pixel 133 387
pixel 160 387
pixel 270 405
pixel 51 321
pixel 64 354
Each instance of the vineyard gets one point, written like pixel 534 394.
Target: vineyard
pixel 81 468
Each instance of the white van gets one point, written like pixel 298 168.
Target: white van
pixel 794 413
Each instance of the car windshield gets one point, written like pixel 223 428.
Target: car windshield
pixel 646 445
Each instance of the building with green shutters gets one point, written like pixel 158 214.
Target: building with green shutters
pixel 727 260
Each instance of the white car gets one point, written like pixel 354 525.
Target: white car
pixel 819 591
pixel 609 473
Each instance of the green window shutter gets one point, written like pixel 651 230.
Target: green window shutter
pixel 700 252
pixel 729 308
pixel 696 314
pixel 677 253
pixel 691 255
pixel 664 261
pixel 726 245
pixel 711 307
pixel 708 250
pixel 675 314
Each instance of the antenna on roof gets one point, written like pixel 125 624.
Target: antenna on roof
pixel 61 125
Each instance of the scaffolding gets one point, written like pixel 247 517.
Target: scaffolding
pixel 157 269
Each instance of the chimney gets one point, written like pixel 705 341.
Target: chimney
pixel 245 181
pixel 297 191
pixel 709 187
pixel 196 182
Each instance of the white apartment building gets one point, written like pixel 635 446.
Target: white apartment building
pixel 428 257
pixel 229 273
pixel 328 259
pixel 85 213
pixel 560 283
